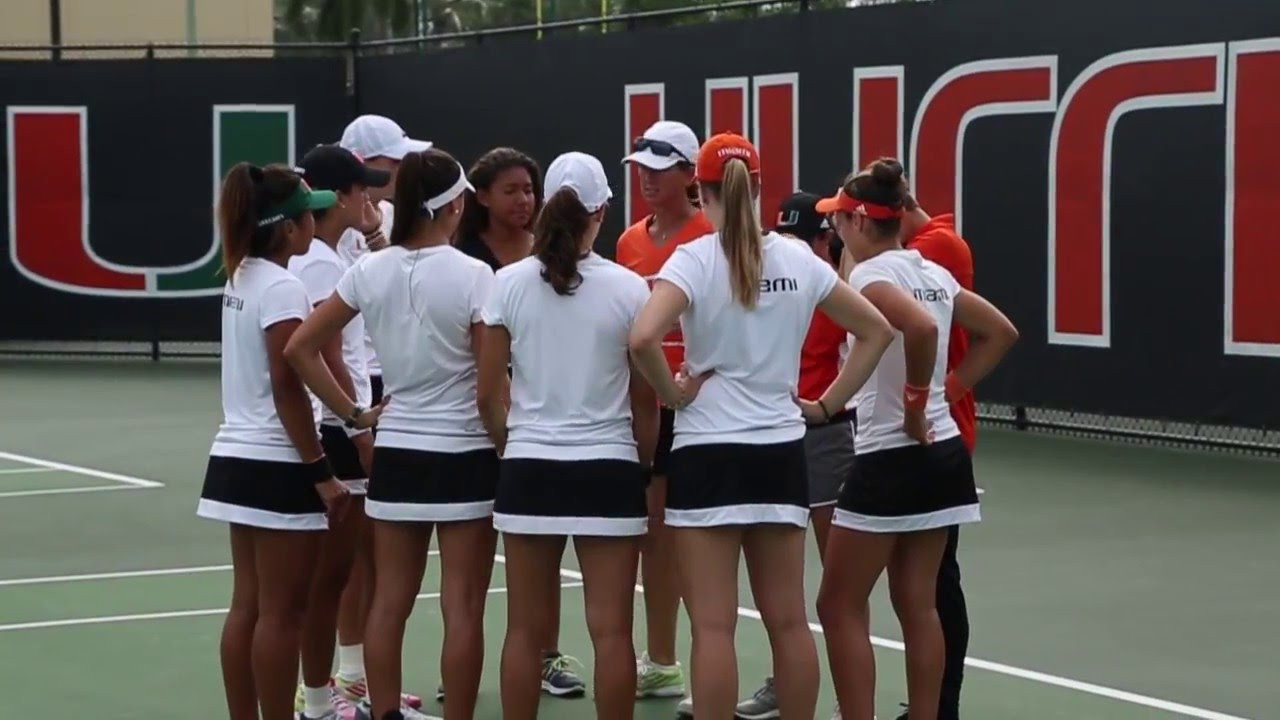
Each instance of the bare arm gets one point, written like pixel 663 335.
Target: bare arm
pixel 919 331
pixel 991 335
pixel 644 417
pixel 303 352
pixel 659 313
pixel 492 346
pixel 853 312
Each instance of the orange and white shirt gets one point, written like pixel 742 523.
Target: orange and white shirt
pixel 639 253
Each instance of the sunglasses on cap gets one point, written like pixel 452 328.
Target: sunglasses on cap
pixel 658 147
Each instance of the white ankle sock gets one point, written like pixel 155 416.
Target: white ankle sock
pixel 317 701
pixel 351 662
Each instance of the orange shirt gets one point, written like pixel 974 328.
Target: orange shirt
pixel 820 356
pixel 938 241
pixel 637 252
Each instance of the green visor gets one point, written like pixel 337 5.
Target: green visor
pixel 302 200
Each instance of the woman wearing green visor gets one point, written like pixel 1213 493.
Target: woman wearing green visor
pixel 267 476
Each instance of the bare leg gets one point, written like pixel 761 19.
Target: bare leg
pixel 608 574
pixel 337 552
pixel 400 559
pixel 913 576
pixel 821 517
pixel 237 629
pixel 775 565
pixel 354 607
pixel 658 573
pixel 708 567
pixel 466 554
pixel 855 560
pixel 531 560
pixel 285 561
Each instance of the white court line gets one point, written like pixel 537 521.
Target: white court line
pixel 126 479
pixel 26 471
pixel 1002 669
pixel 69 491
pixel 192 570
pixel 106 619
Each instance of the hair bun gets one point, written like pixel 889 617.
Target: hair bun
pixel 256 174
pixel 887 172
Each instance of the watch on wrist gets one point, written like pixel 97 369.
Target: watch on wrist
pixel 354 417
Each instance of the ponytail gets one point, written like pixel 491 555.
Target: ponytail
pixel 740 235
pixel 556 237
pixel 420 177
pixel 247 191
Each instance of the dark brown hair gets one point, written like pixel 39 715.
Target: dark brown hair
pixel 882 183
pixel 475 217
pixel 556 235
pixel 741 237
pixel 248 191
pixel 422 176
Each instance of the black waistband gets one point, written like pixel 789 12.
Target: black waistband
pixel 844 416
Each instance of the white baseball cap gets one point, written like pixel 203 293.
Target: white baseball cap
pixel 583 174
pixel 665 144
pixel 372 136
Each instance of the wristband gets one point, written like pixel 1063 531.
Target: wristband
pixel 318 470
pixel 954 388
pixel 915 398
pixel 826 414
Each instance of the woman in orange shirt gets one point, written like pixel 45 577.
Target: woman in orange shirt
pixel 665 156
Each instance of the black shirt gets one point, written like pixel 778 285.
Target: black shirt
pixel 476 248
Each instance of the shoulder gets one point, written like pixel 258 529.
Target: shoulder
pixel 619 274
pixel 939 241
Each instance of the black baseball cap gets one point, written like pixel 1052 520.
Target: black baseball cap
pixel 330 167
pixel 799 216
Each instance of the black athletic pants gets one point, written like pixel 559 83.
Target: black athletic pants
pixel 954 616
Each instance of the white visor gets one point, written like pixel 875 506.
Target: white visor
pixel 431 205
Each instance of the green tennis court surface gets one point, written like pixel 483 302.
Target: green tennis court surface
pixel 1107 582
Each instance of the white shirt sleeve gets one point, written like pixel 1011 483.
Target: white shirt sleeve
pixel 348 287
pixel 493 311
pixel 282 300
pixel 684 270
pixel 320 277
pixel 637 296
pixel 481 289
pixel 864 275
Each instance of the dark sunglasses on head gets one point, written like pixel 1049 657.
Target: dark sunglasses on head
pixel 658 147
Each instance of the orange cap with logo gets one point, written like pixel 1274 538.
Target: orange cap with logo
pixel 721 148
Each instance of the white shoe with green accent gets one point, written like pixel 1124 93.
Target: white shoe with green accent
pixel 658 681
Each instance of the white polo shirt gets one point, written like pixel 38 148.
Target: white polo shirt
pixel 320 269
pixel 263 294
pixel 351 247
pixel 755 353
pixel 418 308
pixel 570 387
pixel 879 402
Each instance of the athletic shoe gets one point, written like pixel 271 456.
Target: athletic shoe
pixel 440 692
pixel 558 680
pixel 653 680
pixel 763 705
pixel 357 691
pixel 364 712
pixel 903 716
pixel 343 709
pixel 684 710
pixel 331 715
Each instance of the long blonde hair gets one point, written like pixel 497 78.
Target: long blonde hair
pixel 740 235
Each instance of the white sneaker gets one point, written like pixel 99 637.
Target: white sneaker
pixel 685 709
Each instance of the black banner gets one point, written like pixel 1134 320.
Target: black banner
pixel 1111 163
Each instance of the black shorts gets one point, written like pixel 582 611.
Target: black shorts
pixel 738 484
pixel 571 497
pixel 906 489
pixel 666 434
pixel 375 383
pixel 343 459
pixel 261 493
pixel 425 486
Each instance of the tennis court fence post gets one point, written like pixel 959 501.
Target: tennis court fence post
pixel 353 71
pixel 1020 418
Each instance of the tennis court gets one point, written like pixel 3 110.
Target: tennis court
pixel 1107 582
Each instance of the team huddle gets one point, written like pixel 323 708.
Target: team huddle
pixel 410 348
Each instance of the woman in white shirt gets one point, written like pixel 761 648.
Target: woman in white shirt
pixel 913 477
pixel 737 480
pixel 433 465
pixel 267 475
pixel 576 442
